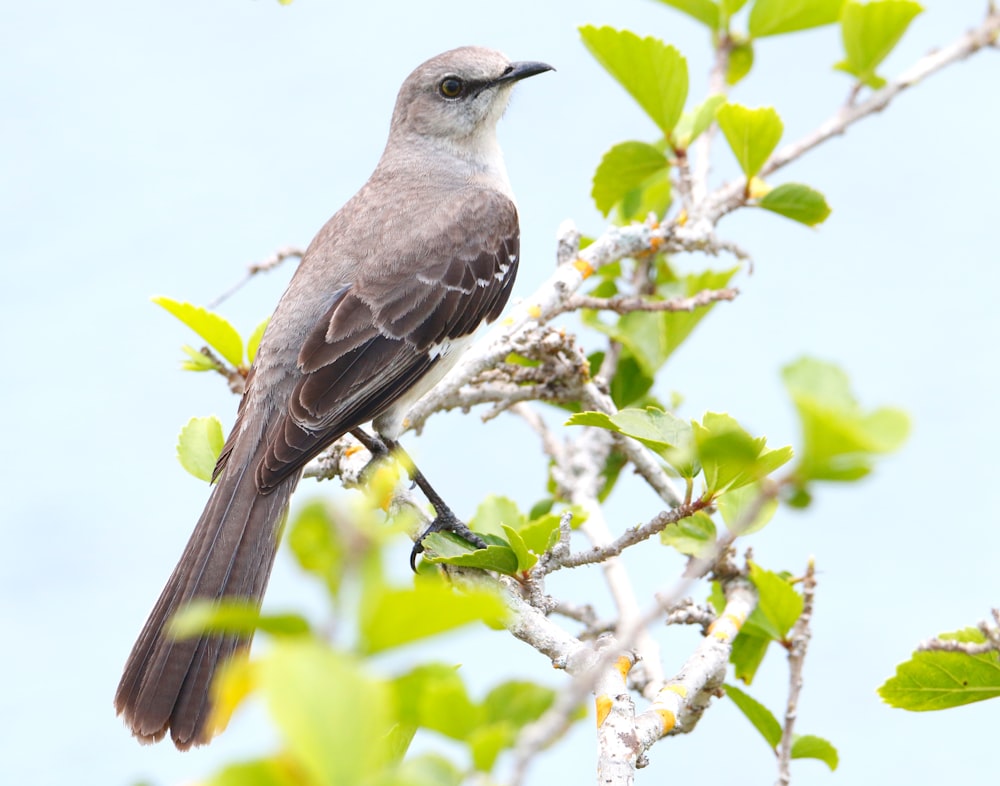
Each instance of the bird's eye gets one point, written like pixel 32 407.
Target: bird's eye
pixel 451 87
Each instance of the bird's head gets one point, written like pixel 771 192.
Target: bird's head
pixel 459 94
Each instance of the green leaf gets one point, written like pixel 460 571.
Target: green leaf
pixel 705 11
pixel 653 73
pixel 664 432
pixel 693 535
pixel 444 548
pixel 653 196
pixel 334 718
pixel 253 343
pixel 525 559
pixel 234 617
pixel 778 605
pixel 630 383
pixel 199 445
pixel 736 503
pixel 747 655
pixel 541 534
pixel 317 545
pixel 938 680
pixel 400 616
pixel 772 17
pixel 216 330
pixel 840 440
pixel 694 123
pixel 624 168
pixel 760 716
pixel 493 513
pixel 739 63
pixel 678 325
pixel 752 134
pixel 518 702
pixel 807 746
pixel 425 770
pixel 797 202
pixel 198 361
pixel 487 742
pixel 870 32
pixel 730 457
pixel 276 771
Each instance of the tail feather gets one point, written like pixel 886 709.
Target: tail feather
pixel 165 685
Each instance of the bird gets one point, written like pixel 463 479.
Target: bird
pixel 385 299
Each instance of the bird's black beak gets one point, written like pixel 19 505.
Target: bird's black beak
pixel 521 70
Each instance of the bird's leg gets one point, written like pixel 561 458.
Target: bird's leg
pixel 445 520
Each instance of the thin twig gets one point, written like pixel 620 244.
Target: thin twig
pixel 799 643
pixel 623 304
pixel 254 268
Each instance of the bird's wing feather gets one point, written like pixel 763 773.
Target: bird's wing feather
pixel 387 330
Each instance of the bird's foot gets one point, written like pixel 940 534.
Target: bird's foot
pixel 446 521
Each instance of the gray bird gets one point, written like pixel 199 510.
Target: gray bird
pixel 384 301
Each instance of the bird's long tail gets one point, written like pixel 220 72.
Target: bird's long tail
pixel 165 686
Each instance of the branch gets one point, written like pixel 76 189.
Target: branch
pixel 623 304
pixel 629 538
pixel 801 634
pixel 990 630
pixel 731 195
pixel 273 261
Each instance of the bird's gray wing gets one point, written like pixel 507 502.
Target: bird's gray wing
pixel 380 335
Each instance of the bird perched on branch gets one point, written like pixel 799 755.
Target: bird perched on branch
pixel 386 297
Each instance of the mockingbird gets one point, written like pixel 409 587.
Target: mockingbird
pixel 384 301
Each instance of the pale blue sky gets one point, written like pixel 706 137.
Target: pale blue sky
pixel 159 147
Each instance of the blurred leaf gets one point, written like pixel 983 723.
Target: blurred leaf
pixel 938 680
pixel 760 716
pixel 400 616
pixel 747 655
pixel 739 63
pixel 630 383
pixel 199 445
pixel 730 457
pixel 678 325
pixel 734 504
pixel 334 718
pixel 693 535
pixel 840 440
pixel 316 543
pixel 234 682
pixel 495 511
pixel 653 73
pixel 253 343
pixel 652 196
pixel 752 134
pixel 236 617
pixel 808 746
pixel 198 361
pixel 705 11
pixel 694 123
pixel 517 701
pixel 273 771
pixel 772 17
pixel 425 770
pixel 797 202
pixel 624 168
pixel 487 742
pixel 216 330
pixel 870 32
